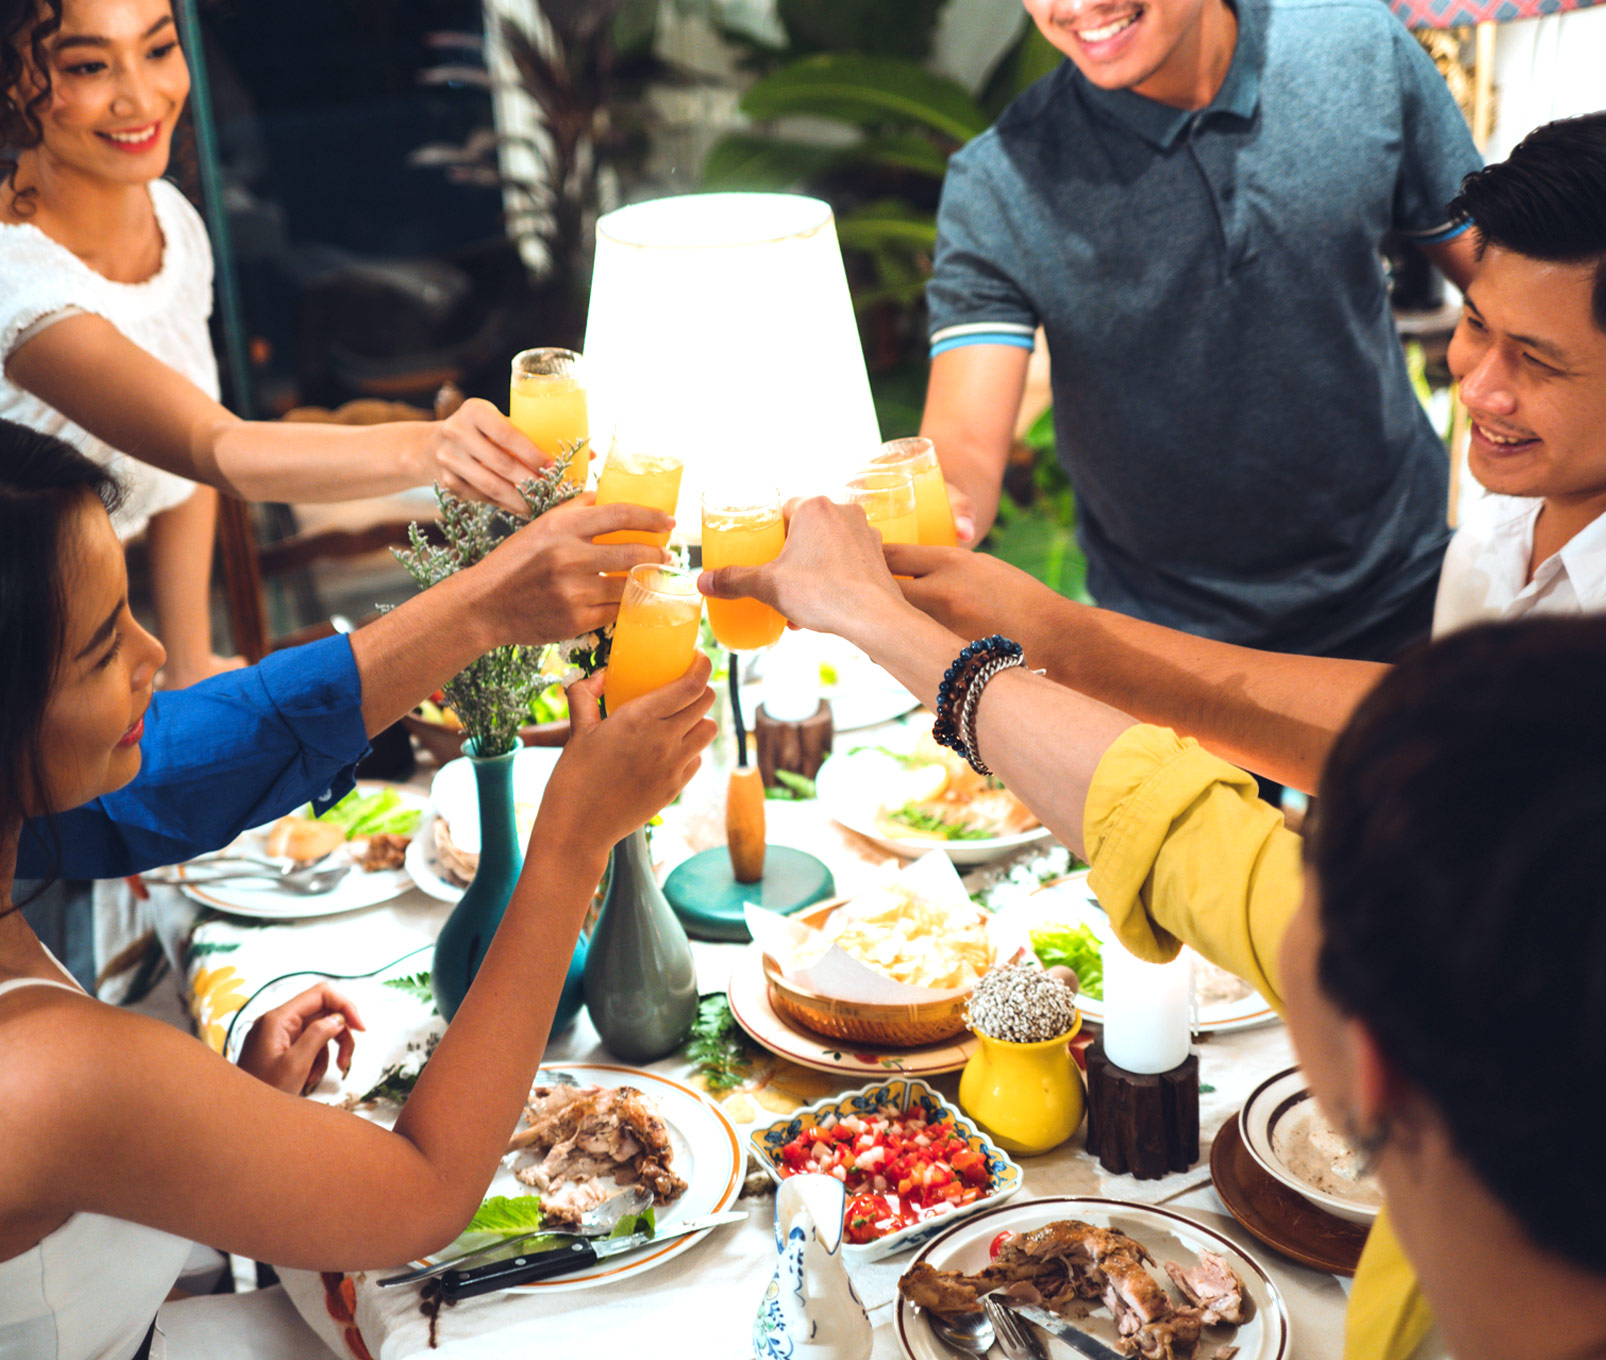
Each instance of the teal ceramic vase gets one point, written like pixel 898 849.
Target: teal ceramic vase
pixel 640 980
pixel 467 934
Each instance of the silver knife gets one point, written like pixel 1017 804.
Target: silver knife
pixel 576 1255
pixel 1056 1326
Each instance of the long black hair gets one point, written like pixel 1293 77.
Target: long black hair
pixel 42 483
pixel 1461 858
pixel 24 25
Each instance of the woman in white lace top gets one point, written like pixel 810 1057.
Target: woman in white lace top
pixel 105 290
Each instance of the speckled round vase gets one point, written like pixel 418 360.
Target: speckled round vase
pixel 640 980
pixel 467 934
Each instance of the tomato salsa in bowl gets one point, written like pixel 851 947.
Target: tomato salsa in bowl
pixel 911 1163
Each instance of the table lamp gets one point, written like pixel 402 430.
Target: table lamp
pixel 721 327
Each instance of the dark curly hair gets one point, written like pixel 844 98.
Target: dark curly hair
pixel 42 482
pixel 19 117
pixel 1461 856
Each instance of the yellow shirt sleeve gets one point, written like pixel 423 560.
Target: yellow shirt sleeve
pixel 1183 850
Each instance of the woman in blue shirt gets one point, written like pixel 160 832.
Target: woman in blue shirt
pixel 123 1135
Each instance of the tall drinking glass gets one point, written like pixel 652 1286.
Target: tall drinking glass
pixel 918 457
pixel 547 404
pixel 655 638
pixel 743 527
pixel 633 477
pixel 888 501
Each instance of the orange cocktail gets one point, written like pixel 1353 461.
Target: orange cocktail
pixel 888 502
pixel 635 478
pixel 547 404
pixel 918 457
pixel 743 528
pixel 655 638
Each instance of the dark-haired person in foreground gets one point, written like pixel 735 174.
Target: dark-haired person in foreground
pixel 1530 355
pixel 1439 951
pixel 123 1137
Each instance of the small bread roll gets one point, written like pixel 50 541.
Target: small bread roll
pixel 303 839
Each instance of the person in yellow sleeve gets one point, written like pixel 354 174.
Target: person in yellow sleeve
pixel 1438 949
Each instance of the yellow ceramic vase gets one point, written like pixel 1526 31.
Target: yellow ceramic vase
pixel 1027 1098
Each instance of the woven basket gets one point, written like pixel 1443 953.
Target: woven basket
pixel 858 1022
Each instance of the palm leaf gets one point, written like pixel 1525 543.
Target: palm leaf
pixel 867 92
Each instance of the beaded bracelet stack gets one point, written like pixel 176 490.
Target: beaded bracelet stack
pixel 960 692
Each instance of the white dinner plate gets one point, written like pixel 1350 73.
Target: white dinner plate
pixel 1275 1112
pixel 1168 1235
pixel 1070 901
pixel 265 900
pixel 707 1156
pixel 852 786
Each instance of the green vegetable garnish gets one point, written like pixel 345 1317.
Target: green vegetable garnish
pixel 791 786
pixel 918 818
pixel 507 1214
pixel 373 814
pixel 1078 948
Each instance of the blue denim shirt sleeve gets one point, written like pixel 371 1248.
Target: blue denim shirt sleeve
pixel 230 753
pixel 1436 146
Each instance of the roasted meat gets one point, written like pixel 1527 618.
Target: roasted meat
pixel 384 851
pixel 1212 1286
pixel 589 1141
pixel 1066 1262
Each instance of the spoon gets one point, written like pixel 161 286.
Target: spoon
pixel 969 1335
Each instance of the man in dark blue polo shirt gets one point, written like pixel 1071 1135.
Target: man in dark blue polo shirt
pixel 1192 208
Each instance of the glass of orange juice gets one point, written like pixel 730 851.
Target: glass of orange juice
pixel 888 501
pixel 655 637
pixel 633 477
pixel 918 457
pixel 743 527
pixel 547 405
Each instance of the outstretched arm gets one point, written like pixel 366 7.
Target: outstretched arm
pixel 972 398
pixel 1273 713
pixel 94 374
pixel 115 1114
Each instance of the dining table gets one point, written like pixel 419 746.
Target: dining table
pixel 701 1300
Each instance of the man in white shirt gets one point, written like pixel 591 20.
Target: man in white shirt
pixel 1530 354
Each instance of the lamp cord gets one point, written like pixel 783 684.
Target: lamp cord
pixel 736 709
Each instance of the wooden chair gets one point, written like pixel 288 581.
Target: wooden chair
pixel 356 530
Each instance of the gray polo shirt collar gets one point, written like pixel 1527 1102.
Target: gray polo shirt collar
pixel 1161 124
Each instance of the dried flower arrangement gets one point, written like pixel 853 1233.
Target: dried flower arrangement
pixel 491 696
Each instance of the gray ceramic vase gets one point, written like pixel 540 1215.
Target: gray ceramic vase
pixel 640 979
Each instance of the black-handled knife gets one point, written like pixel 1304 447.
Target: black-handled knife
pixel 576 1255
pixel 1071 1335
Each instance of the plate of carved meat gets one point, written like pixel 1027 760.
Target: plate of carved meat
pixel 1144 1280
pixel 591 1129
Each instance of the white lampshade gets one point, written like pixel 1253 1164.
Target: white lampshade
pixel 721 330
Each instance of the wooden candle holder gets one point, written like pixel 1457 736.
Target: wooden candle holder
pixel 800 747
pixel 1138 1125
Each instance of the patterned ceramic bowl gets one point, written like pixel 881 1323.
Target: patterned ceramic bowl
pixel 902 1094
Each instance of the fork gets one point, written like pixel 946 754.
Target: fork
pixel 1016 1342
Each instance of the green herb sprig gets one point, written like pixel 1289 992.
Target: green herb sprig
pixel 920 819
pixel 721 1053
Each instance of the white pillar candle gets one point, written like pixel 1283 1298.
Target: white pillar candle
pixel 1147 1010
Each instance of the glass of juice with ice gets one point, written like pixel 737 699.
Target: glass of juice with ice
pixel 633 477
pixel 743 527
pixel 888 502
pixel 547 405
pixel 918 457
pixel 655 638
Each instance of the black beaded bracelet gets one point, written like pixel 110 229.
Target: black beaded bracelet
pixel 948 730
